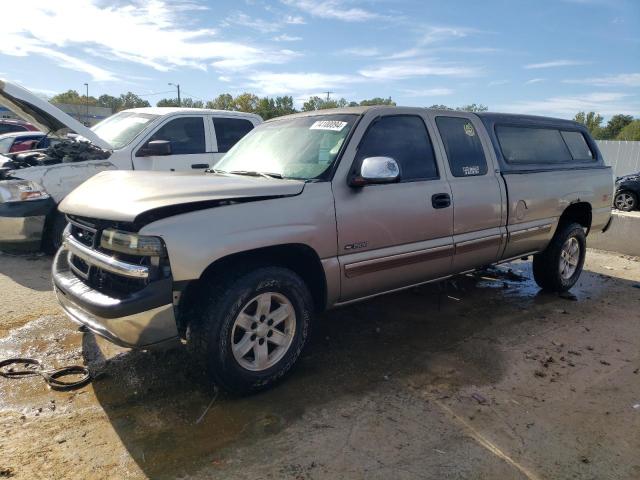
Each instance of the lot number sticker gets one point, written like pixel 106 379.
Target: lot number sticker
pixel 333 125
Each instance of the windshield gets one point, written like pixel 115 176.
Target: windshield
pixel 5 144
pixel 121 128
pixel 303 147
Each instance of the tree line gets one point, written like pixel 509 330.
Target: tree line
pixel 619 127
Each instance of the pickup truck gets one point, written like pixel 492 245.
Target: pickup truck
pixel 317 210
pixel 32 184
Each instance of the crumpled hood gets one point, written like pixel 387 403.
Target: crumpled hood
pixel 124 195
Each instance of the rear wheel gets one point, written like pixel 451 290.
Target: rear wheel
pixel 625 201
pixel 559 266
pixel 251 329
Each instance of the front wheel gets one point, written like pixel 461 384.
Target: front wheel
pixel 251 329
pixel 625 201
pixel 559 266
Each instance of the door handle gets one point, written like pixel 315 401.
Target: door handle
pixel 440 200
pixel 200 165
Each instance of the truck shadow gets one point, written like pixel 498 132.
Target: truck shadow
pixel 172 422
pixel 37 277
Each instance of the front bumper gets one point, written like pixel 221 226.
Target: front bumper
pixel 22 223
pixel 143 319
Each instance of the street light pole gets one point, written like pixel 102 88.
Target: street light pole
pixel 177 85
pixel 87 118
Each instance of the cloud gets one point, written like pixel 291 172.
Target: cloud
pixel 620 80
pixel 244 20
pixel 495 83
pixel 555 63
pixel 287 38
pixel 534 80
pixel 157 33
pixel 294 20
pixel 360 51
pixel 605 103
pixel 433 37
pixel 332 9
pixel 417 68
pixel 429 92
pixel 270 83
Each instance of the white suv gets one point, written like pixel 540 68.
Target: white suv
pixel 158 138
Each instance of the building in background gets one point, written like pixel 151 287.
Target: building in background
pixel 77 111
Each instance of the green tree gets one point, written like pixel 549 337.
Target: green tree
pixel 167 102
pixel 440 107
pixel 591 120
pixel 284 105
pixel 72 97
pixel 377 101
pixel 223 101
pixel 246 102
pixel 615 126
pixel 131 100
pixel 317 103
pixel 191 103
pixel 474 107
pixel 630 132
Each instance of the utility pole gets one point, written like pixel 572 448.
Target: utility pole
pixel 86 122
pixel 328 93
pixel 177 85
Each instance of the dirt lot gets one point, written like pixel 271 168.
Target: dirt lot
pixel 479 378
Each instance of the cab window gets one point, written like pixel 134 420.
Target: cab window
pixel 405 139
pixel 229 131
pixel 463 147
pixel 186 135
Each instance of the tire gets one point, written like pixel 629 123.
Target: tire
pixel 550 270
pixel 218 332
pixel 625 201
pixel 52 236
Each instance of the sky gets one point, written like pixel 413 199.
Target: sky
pixel 548 57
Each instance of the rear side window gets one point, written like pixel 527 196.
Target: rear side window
pixel 186 135
pixel 406 140
pixel 532 145
pixel 10 128
pixel 463 147
pixel 229 131
pixel 578 146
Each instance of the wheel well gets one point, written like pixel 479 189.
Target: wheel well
pixel 300 258
pixel 579 212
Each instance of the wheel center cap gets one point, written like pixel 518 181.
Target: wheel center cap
pixel 262 330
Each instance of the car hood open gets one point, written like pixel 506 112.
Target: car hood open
pixel 140 197
pixel 44 115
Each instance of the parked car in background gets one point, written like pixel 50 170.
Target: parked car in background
pixel 23 141
pixel 32 184
pixel 321 209
pixel 9 126
pixel 627 192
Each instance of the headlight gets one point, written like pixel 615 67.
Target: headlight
pixel 21 191
pixel 132 244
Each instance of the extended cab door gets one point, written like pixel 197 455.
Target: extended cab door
pixel 477 190
pixel 392 235
pixel 227 131
pixel 190 141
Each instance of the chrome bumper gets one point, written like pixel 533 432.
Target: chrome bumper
pixel 143 319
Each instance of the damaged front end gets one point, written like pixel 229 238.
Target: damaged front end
pixel 25 204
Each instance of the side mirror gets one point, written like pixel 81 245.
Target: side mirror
pixel 375 171
pixel 155 148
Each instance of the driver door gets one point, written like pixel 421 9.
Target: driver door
pixel 191 146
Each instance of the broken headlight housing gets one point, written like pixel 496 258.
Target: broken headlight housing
pixel 132 243
pixel 21 191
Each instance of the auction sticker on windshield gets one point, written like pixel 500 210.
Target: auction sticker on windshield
pixel 334 125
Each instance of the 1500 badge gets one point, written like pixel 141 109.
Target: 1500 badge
pixel 354 246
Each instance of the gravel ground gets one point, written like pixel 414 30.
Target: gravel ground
pixel 481 377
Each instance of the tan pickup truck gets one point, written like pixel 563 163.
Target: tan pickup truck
pixel 317 210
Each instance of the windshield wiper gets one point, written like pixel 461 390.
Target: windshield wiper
pixel 255 174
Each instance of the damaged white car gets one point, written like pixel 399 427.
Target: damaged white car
pixel 33 183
